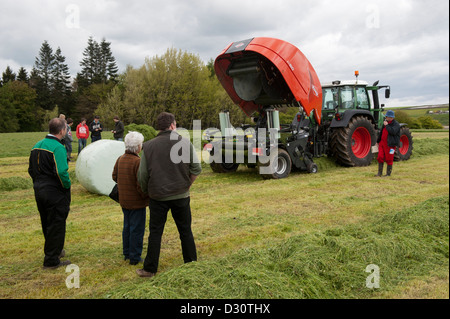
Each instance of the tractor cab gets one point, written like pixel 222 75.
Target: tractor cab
pixel 342 96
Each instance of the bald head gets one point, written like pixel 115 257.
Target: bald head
pixel 57 127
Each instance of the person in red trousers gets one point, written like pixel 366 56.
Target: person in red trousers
pixel 388 140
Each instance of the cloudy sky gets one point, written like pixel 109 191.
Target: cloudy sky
pixel 403 43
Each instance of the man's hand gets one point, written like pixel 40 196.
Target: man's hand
pixel 193 178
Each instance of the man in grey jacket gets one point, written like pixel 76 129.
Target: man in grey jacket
pixel 167 180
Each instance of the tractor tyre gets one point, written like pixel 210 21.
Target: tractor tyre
pixel 352 145
pixel 279 165
pixel 404 150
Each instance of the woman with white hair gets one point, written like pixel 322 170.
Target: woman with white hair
pixel 131 198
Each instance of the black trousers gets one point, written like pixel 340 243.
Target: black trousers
pixel 181 213
pixel 53 205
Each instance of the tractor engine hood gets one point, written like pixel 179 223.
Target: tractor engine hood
pixel 261 72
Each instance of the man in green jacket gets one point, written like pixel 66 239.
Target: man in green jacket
pixel 49 170
pixel 167 174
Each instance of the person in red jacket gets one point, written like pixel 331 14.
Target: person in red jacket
pixel 82 133
pixel 388 140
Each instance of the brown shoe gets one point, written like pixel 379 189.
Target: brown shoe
pixel 61 263
pixel 143 273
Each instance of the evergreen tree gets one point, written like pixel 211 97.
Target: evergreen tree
pixel 97 77
pixel 61 83
pixel 98 65
pixel 8 75
pixel 22 75
pixel 109 67
pixel 50 78
pixel 41 76
pixel 89 64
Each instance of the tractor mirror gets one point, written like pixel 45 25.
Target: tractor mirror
pixel 387 93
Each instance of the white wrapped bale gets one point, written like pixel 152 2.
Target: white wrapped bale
pixel 95 165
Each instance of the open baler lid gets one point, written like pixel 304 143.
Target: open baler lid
pixel 262 72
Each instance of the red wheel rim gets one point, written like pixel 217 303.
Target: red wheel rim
pixel 404 144
pixel 361 142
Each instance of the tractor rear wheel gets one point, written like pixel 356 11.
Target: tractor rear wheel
pixel 352 145
pixel 404 150
pixel 278 166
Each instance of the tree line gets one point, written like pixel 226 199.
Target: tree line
pixel 28 101
pixel 178 82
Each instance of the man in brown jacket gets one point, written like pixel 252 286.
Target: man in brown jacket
pixel 131 198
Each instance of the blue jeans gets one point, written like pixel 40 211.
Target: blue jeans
pixel 133 233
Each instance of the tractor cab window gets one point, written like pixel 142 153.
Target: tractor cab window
pixel 330 98
pixel 362 100
pixel 347 97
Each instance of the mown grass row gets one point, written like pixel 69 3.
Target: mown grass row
pixel 405 245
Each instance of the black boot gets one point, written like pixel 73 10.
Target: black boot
pixel 380 170
pixel 389 170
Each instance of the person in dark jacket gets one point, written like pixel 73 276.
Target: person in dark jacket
pixel 131 198
pixel 167 178
pixel 68 139
pixel 388 140
pixel 118 129
pixel 96 129
pixel 48 169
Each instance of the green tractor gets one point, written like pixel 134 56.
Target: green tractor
pixel 351 120
pixel 341 119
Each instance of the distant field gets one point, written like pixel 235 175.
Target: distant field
pixel 416 112
pixel 307 236
pixel 20 144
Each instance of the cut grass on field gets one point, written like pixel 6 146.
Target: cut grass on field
pixel 405 245
pixel 306 236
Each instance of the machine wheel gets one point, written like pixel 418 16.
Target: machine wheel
pixel 312 168
pixel 224 167
pixel 352 145
pixel 404 150
pixel 279 165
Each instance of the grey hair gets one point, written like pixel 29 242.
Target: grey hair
pixel 133 140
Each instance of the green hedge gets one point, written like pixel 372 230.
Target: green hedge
pixel 148 131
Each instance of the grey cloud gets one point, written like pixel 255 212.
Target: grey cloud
pixel 403 43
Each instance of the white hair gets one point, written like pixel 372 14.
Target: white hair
pixel 133 140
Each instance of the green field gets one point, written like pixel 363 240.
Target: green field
pixel 438 113
pixel 307 236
